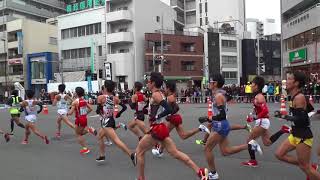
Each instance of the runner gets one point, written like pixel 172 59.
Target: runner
pixel 81 109
pixel 262 123
pixel 31 112
pixel 105 108
pixel 137 103
pixel 61 101
pixel 220 127
pixel 301 137
pixel 174 120
pixel 158 109
pixel 14 103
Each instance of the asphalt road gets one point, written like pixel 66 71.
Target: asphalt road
pixel 61 159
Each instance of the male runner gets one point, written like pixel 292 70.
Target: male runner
pixel 159 132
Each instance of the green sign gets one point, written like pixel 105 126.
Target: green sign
pixel 87 4
pixel 298 56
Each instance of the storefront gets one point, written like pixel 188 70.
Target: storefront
pixel 40 70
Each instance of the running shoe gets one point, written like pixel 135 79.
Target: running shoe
pixel 157 153
pixel 108 142
pixel 203 173
pixel 250 163
pixel 248 127
pixel 123 126
pixel 101 159
pixel 200 142
pixel 286 129
pixel 203 128
pixel 46 140
pixel 84 151
pixel 133 157
pixel 58 135
pixel 92 131
pixel 255 146
pixel 7 137
pixel 25 142
pixel 315 167
pixel 213 176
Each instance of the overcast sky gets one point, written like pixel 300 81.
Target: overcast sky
pixel 262 9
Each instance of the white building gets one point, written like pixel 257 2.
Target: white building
pixel 270 27
pixel 117 32
pixel 199 13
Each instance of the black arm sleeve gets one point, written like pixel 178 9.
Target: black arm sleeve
pixel 175 108
pixel 222 114
pixel 167 109
pixel 300 115
pixel 123 107
pixel 41 107
pixel 132 105
pixel 99 108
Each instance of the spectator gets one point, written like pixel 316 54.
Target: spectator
pixel 271 92
pixel 248 92
pixel 277 92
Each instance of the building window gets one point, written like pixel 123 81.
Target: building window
pixel 229 60
pixel 188 66
pixel 200 8
pixel 74 54
pixel 207 21
pixel 100 50
pixel 158 18
pixel 82 53
pixel 166 46
pixel 16 69
pixel 65 33
pixel 206 7
pixel 188 47
pixel 81 31
pixel 73 32
pixel 229 75
pixel 38 70
pixel 53 40
pixel 229 44
pixel 97 28
pixel 200 21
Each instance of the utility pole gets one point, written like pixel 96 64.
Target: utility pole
pixel 162 57
pixel 153 59
pixel 61 70
pixel 258 46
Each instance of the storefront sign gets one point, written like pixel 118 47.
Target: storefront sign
pixel 298 56
pixel 87 4
pixel 38 81
pixel 108 69
pixel 15 61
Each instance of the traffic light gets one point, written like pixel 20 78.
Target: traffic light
pixel 260 29
pixel 263 68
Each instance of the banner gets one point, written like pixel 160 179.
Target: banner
pixel 92 54
pixel 20 42
pixel 89 79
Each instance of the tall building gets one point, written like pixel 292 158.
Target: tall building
pixel 114 34
pixel 183 56
pixel 270 55
pixel 222 54
pixel 301 36
pixel 199 13
pixel 33 12
pixel 267 27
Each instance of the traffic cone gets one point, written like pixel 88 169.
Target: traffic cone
pixel 116 111
pixel 45 110
pixel 210 113
pixel 283 109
